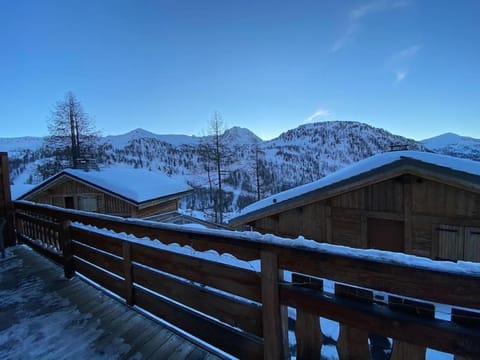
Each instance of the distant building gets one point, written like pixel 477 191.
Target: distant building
pixel 115 191
pixel 405 201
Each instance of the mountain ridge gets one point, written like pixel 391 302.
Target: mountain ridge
pixel 297 156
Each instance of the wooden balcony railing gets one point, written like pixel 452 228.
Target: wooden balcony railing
pixel 241 308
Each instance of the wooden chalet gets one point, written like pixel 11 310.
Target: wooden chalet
pixel 404 201
pixel 122 192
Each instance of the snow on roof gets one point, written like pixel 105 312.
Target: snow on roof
pixel 364 166
pixel 18 190
pixel 134 184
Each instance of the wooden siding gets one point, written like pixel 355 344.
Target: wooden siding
pixel 421 206
pixel 383 197
pixel 115 206
pixel 159 208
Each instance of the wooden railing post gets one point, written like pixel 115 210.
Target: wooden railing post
pixel 405 350
pixel 465 318
pixel 66 244
pixel 18 229
pixel 127 269
pixel 353 342
pixel 273 321
pixel 307 327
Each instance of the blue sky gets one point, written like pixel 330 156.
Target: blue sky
pixel 411 67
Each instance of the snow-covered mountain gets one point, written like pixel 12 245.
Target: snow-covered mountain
pixel 119 141
pixel 454 145
pixel 298 156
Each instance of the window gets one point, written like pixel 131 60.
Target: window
pixel 69 203
pixel 471 247
pixel 450 242
pixel 458 243
pixel 87 203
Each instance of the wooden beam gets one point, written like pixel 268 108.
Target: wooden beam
pixel 224 307
pixel 228 339
pixel 430 285
pixel 235 280
pixel 433 333
pixel 101 259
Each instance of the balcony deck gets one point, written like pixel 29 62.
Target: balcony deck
pixel 43 315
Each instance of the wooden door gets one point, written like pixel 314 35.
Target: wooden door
pixel 471 249
pixel 450 242
pixel 385 234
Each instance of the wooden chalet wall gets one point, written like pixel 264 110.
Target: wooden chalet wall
pixel 158 208
pixel 6 210
pixel 405 214
pixel 106 203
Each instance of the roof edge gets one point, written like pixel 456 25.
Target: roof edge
pixel 404 165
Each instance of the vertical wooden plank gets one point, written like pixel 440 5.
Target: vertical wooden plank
pixel 307 327
pixel 272 322
pixel 19 227
pixel 352 342
pixel 328 224
pixel 284 325
pixel 127 269
pixel 407 215
pixel 66 243
pixel 465 318
pixel 401 349
pixel 364 231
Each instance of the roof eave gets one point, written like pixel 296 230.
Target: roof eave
pixel 162 199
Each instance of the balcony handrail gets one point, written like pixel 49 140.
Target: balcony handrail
pixel 426 281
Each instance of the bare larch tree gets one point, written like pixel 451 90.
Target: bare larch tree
pixel 71 130
pixel 216 154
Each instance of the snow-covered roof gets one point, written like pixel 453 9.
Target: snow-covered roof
pixel 134 185
pixel 352 173
pixel 18 190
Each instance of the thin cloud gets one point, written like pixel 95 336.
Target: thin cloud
pixel 367 9
pixel 401 61
pixel 320 113
pixel 358 14
pixel 345 38
pixel 407 53
pixel 400 75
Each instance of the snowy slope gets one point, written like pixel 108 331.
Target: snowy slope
pixel 120 141
pixel 455 145
pixel 15 145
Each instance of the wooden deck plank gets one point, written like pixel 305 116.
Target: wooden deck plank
pixel 115 324
pixel 160 338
